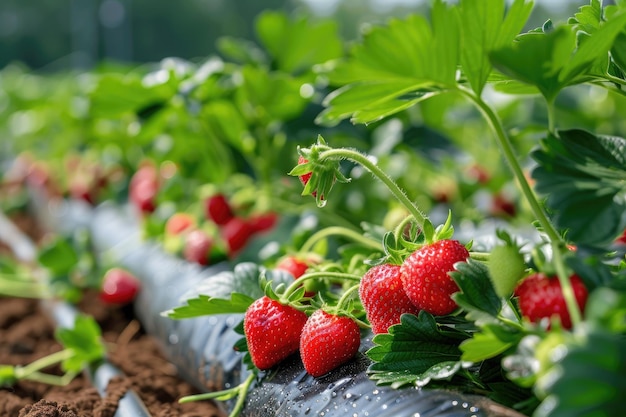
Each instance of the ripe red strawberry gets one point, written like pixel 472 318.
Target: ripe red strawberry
pixel 383 297
pixel 425 276
pixel 236 233
pixel 119 287
pixel 622 238
pixel 272 331
pixel 540 296
pixel 328 341
pixel 218 209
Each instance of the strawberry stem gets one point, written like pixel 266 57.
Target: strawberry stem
pixel 509 155
pixel 32 370
pixel 339 231
pixel 398 193
pixel 240 391
pixel 23 289
pixel 341 276
pixel 343 300
pixel 566 285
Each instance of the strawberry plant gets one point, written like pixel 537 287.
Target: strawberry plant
pixel 82 347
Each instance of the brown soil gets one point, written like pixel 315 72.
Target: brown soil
pixel 26 333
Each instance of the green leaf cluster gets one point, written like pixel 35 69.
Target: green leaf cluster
pixel 583 177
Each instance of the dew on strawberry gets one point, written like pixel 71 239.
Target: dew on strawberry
pixel 426 279
pixel 272 331
pixel 383 297
pixel 328 341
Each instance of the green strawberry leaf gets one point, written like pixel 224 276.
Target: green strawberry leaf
pixel 59 256
pixel 395 66
pixel 483 29
pixel 571 55
pixel 477 295
pixel 204 305
pixel 491 341
pixel 588 379
pixel 582 176
pixel 415 351
pixel 299 44
pixel 85 340
pixel 519 60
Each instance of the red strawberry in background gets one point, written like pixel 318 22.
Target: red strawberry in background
pixel 272 331
pixel 328 341
pixel 294 265
pixel 197 248
pixel 143 188
pixel 297 266
pixel 236 233
pixel 263 222
pixel 383 297
pixel 119 287
pixel 178 223
pixel 540 296
pixel 218 209
pixel 425 276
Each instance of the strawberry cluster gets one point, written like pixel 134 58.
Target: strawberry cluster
pixel 210 230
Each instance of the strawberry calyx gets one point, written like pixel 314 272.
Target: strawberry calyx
pixel 318 174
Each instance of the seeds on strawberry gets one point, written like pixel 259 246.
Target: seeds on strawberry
pixel 272 331
pixel 425 276
pixel 541 296
pixel 383 297
pixel 328 341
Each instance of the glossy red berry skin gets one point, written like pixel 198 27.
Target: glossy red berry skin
pixel 218 209
pixel 425 277
pixel 540 296
pixel 119 287
pixel 327 342
pixel 272 331
pixel 383 297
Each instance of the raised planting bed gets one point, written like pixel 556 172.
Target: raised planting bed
pixel 201 348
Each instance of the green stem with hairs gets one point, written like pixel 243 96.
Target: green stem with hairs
pixel 341 276
pixel 555 239
pixel 509 155
pixel 566 285
pixel 398 193
pixel 339 231
pixel 240 391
